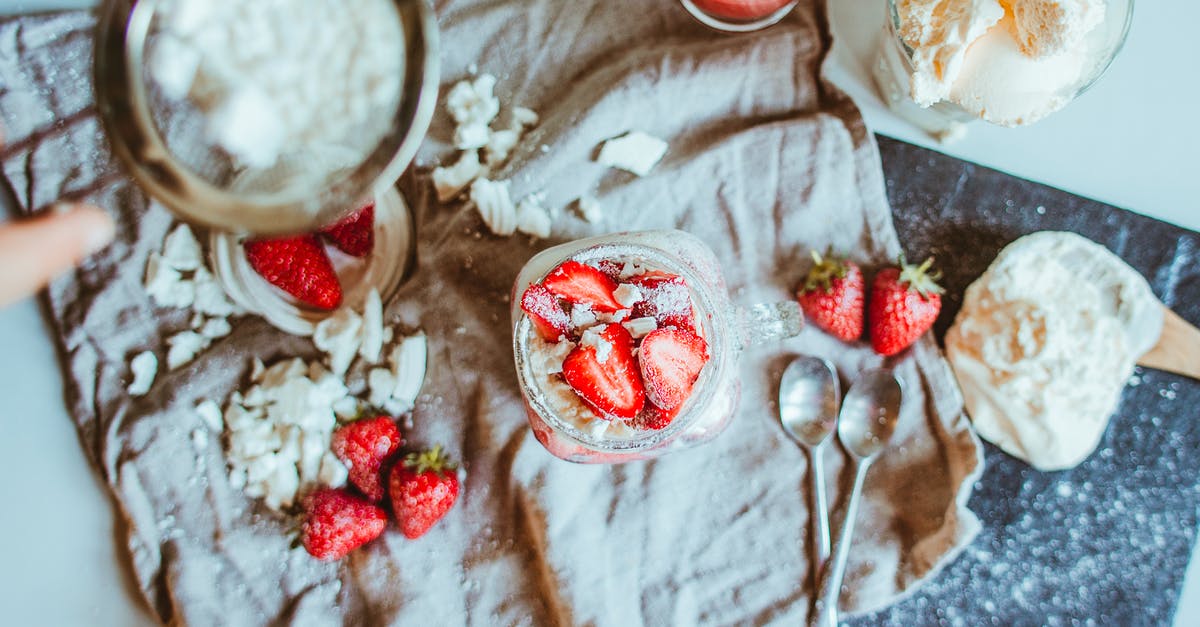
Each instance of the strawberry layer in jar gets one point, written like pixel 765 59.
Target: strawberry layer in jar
pixel 739 15
pixel 626 345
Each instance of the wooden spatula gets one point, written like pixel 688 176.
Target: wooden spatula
pixel 1178 348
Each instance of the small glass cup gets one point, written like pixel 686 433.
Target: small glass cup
pixel 384 269
pixel 893 69
pixel 738 16
pixel 571 432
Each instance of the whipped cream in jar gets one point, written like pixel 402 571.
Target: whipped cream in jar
pixel 669 307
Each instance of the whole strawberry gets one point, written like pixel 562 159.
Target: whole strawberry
pixel 363 446
pixel 832 296
pixel 904 303
pixel 337 522
pixel 354 234
pixel 423 487
pixel 299 266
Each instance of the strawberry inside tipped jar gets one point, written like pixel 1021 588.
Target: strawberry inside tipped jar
pixel 627 337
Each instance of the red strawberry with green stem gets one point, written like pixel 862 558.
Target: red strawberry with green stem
pixel 581 284
pixel 905 301
pixel 608 383
pixel 354 234
pixel 363 446
pixel 423 487
pixel 832 296
pixel 670 360
pixel 299 266
pixel 337 522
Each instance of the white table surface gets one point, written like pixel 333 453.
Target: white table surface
pixel 62 564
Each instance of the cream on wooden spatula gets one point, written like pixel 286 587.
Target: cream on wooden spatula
pixel 1047 339
pixel 1177 349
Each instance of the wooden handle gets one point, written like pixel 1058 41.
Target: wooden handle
pixel 1178 348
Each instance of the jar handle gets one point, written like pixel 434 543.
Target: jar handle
pixel 766 322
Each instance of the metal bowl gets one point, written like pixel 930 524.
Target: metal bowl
pixel 124 105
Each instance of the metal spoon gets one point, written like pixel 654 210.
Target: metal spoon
pixel 809 394
pixel 865 425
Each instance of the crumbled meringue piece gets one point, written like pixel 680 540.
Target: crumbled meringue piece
pixel 381 382
pixel 449 182
pixel 592 337
pixel 619 315
pixel 495 206
pixel 165 285
pixel 144 366
pixel 500 145
pixel 640 327
pixel 533 218
pixel 339 336
pixel 216 327
pixel 627 294
pixel 634 152
pixel 630 270
pixel 525 117
pixel 333 472
pixel 409 361
pixel 181 251
pixel 184 346
pixel 372 327
pixel 211 299
pixel 589 209
pixel 582 316
pixel 210 414
pixel 473 106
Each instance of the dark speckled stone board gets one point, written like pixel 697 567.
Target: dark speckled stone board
pixel 1105 543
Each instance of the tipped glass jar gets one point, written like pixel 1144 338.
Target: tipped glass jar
pixel 668 283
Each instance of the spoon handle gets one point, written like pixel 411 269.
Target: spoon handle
pixel 826 614
pixel 820 514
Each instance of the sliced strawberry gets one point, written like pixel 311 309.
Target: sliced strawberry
pixel 653 418
pixel 611 269
pixel 612 387
pixel 545 313
pixel 354 234
pixel 666 298
pixel 581 284
pixel 670 361
pixel 298 266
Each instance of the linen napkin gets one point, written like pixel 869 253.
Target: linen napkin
pixel 767 161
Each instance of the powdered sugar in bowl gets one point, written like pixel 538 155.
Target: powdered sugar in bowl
pixel 265 117
pixel 626 345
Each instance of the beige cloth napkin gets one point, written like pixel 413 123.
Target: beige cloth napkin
pixel 766 162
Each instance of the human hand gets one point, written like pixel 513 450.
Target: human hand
pixel 35 250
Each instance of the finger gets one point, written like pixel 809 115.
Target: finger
pixel 35 250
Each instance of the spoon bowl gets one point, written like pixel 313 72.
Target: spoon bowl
pixel 870 413
pixel 809 393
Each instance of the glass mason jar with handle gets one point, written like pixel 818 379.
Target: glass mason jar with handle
pixel 572 431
